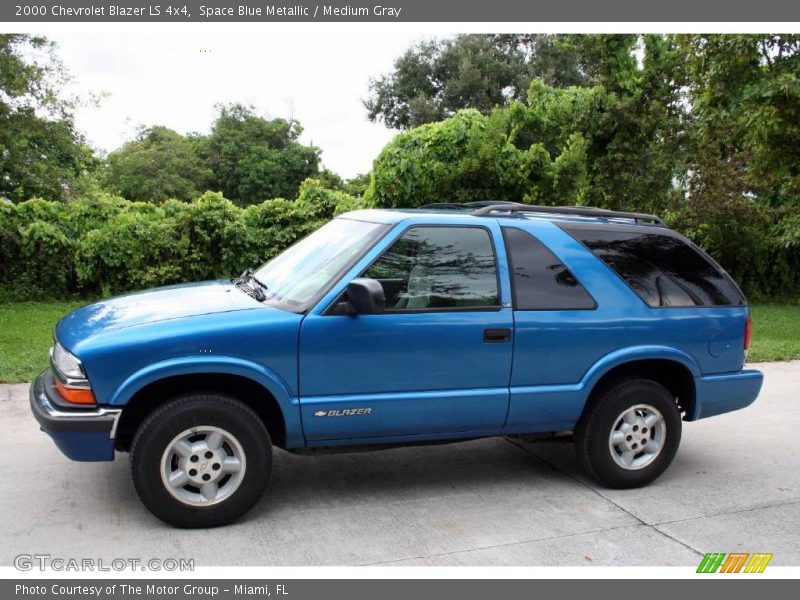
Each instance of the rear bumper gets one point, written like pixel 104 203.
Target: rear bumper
pixel 726 392
pixel 80 434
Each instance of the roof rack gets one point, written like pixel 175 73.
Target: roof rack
pixel 580 211
pixel 465 205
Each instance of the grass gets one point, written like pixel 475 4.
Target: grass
pixel 776 332
pixel 26 330
pixel 26 334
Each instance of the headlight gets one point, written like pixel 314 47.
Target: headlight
pixel 66 364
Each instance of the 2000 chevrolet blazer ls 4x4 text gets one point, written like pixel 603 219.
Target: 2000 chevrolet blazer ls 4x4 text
pixel 391 327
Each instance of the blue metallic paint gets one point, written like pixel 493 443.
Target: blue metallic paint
pixel 228 365
pixel 150 306
pixel 717 394
pixel 393 363
pixel 84 446
pixel 243 337
pixel 399 371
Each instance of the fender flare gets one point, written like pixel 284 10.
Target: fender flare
pixel 635 353
pixel 190 365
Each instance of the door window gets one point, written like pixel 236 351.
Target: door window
pixel 438 268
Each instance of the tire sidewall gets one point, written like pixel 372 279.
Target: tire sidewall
pixel 160 429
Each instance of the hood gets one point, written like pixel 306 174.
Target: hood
pixel 152 306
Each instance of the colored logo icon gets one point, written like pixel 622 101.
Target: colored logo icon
pixel 734 562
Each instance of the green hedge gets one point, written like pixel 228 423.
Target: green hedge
pixel 107 245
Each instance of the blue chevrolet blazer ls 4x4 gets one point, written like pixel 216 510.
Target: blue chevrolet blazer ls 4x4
pixel 396 327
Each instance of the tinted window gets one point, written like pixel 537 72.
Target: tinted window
pixel 438 267
pixel 539 281
pixel 662 269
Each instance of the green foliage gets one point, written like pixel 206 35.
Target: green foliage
pixel 157 165
pixel 703 129
pixel 467 157
pixel 745 91
pixel 41 152
pixel 357 185
pixel 106 244
pixel 435 79
pixel 133 250
pixel 564 146
pixel 253 159
pixel 246 157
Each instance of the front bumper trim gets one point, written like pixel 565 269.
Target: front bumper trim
pixel 71 425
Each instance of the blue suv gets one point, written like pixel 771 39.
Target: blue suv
pixel 397 327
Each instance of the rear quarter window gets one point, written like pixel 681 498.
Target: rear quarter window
pixel 663 269
pixel 539 280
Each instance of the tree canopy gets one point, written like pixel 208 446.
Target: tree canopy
pixel 41 152
pixel 246 157
pixel 436 78
pixel 157 165
pixel 616 143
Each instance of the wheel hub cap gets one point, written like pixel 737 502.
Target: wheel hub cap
pixel 637 436
pixel 202 466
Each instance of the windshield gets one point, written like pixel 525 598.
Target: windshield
pixel 301 272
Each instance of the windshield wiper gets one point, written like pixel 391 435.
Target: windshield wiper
pixel 243 282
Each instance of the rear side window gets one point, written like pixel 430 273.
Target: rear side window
pixel 663 270
pixel 539 281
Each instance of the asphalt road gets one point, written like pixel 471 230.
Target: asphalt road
pixel 734 486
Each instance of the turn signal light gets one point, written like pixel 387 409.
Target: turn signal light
pixel 75 395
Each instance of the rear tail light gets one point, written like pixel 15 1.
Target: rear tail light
pixel 747 331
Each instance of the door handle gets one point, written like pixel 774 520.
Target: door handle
pixel 496 336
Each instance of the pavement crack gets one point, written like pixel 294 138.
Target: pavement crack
pixel 730 512
pixel 506 545
pixel 606 498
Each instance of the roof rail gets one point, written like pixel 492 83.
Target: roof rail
pixel 465 205
pixel 580 211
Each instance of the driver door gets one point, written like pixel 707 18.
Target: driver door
pixel 437 361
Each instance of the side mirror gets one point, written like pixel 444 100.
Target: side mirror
pixel 366 296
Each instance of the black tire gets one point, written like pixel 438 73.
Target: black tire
pixel 601 416
pixel 161 427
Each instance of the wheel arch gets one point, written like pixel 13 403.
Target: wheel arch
pixel 262 390
pixel 671 368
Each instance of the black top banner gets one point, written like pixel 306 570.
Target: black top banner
pixel 399 11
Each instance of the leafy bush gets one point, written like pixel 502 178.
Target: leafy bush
pixel 108 245
pixel 467 157
pixel 45 257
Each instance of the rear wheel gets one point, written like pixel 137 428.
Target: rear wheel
pixel 630 433
pixel 201 460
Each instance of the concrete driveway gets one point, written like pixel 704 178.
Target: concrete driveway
pixel 734 486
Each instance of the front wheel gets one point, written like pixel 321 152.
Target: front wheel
pixel 201 460
pixel 630 433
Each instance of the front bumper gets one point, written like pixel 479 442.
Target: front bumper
pixel 81 434
pixel 726 392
